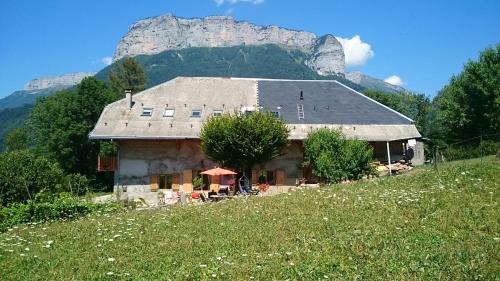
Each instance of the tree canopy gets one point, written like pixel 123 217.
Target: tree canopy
pixel 469 106
pixel 129 75
pixel 414 105
pixel 243 140
pixel 60 125
pixel 17 139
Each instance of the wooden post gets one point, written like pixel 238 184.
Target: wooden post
pixel 389 158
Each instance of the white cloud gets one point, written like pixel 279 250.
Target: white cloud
pixel 107 60
pixel 229 11
pixel 233 2
pixel 356 51
pixel 394 80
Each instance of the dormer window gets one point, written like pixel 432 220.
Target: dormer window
pixel 169 112
pixel 275 114
pixel 147 112
pixel 196 113
pixel 217 113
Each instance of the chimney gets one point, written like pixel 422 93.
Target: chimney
pixel 128 97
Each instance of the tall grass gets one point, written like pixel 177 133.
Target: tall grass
pixel 427 224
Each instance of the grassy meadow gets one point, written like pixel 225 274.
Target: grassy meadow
pixel 426 224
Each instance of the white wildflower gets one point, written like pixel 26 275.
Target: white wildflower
pixel 111 259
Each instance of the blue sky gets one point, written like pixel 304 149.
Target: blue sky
pixel 421 42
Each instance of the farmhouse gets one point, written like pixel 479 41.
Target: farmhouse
pixel 157 129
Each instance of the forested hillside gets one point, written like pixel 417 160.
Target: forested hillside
pixel 266 61
pixel 11 118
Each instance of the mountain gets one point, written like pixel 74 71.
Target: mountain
pixel 264 61
pixel 41 87
pixel 169 46
pixel 12 118
pixel 168 32
pixel 372 83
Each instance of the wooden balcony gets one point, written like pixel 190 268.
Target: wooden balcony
pixel 107 163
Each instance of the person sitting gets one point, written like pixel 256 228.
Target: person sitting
pixel 211 193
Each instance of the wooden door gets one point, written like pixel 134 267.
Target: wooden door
pixel 280 177
pixel 255 178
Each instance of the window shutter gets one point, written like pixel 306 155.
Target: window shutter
pixel 215 182
pixel 176 180
pixel 153 182
pixel 187 181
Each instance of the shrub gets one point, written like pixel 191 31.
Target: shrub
pixel 63 206
pixel 77 184
pixel 470 151
pixel 197 182
pixel 334 158
pixel 23 174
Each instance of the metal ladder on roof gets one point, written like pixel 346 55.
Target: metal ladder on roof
pixel 300 111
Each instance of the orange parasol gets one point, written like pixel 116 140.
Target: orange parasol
pixel 218 172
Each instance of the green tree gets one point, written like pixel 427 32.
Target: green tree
pixel 334 158
pixel 243 140
pixel 469 106
pixel 413 105
pixel 23 174
pixel 17 139
pixel 61 123
pixel 129 76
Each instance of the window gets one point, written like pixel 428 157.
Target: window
pixel 169 112
pixel 166 181
pixel 270 177
pixel 276 114
pixel 217 113
pixel 147 112
pixel 196 113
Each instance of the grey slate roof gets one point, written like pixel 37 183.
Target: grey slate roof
pixel 356 115
pixel 324 102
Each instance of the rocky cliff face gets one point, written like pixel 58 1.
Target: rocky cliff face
pixel 372 83
pixel 57 81
pixel 167 32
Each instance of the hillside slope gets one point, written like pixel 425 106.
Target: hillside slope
pixel 425 225
pixel 11 118
pixel 26 97
pixel 265 61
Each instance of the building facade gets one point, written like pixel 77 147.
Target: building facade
pixel 157 130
